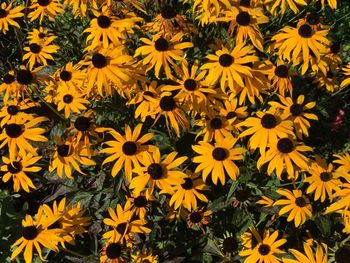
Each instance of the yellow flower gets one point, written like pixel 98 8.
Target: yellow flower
pixel 229 67
pixel 8 16
pixel 17 133
pixel 80 7
pixel 157 172
pixel 124 225
pixel 9 86
pixel 218 159
pixel 113 252
pixel 284 154
pixel 342 197
pixel 346 81
pixel 308 256
pixel 263 249
pixel 161 52
pixel 14 111
pixel 143 256
pixel 297 205
pixel 40 35
pixel 43 8
pixel 295 110
pixel 36 234
pixel 283 4
pixel 127 151
pixel 70 100
pixel 39 53
pixel 18 170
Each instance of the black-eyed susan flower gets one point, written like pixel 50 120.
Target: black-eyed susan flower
pixel 39 53
pixel 107 29
pixel 296 205
pixel 218 160
pixel 139 204
pixel 8 14
pixel 124 226
pixel 285 154
pixel 158 172
pixel 302 41
pixel 279 75
pixel 214 127
pixel 187 193
pixel 14 110
pixel 70 76
pixel 127 151
pixel 161 52
pixel 143 256
pixel 296 111
pixel 199 218
pixel 323 179
pixel 41 35
pixel 190 88
pixel 107 66
pixel 17 133
pixel 229 245
pixel 308 256
pixel 36 234
pixel 266 128
pixel 45 8
pixel 168 106
pixel 233 113
pixel 9 86
pixel 228 67
pixel 142 98
pixel 245 25
pixel 343 160
pixel 262 249
pixel 346 81
pixel 113 252
pixel 67 156
pixel 341 199
pixel 282 5
pixel 208 11
pixel 327 81
pixel 18 169
pixel 70 100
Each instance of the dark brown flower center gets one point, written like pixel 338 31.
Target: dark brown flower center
pixel 219 154
pixel 82 123
pixel 63 150
pixel 140 201
pixel 12 109
pixel 216 123
pixel 3 13
pixel 41 35
pixel 129 148
pixel 67 98
pixel 285 145
pixel 190 84
pixel 281 71
pixel 44 2
pixel 264 249
pixel 113 250
pixel 313 19
pixel 305 31
pixel 188 184
pixel 104 21
pixel 242 195
pixel 66 75
pixel 243 18
pixel 195 217
pixel 148 93
pixel 30 232
pixel 231 115
pixel 330 74
pixel 335 48
pixel 99 60
pixel 155 170
pixel 168 12
pixel 300 201
pixel 161 44
pixel 167 103
pixel 35 48
pixel 13 130
pixel 14 168
pixel 296 109
pixel 342 254
pixel 269 121
pixel 121 228
pixel 8 78
pixel 24 76
pixel 55 225
pixel 245 3
pixel 325 176
pixel 226 60
pixel 230 245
